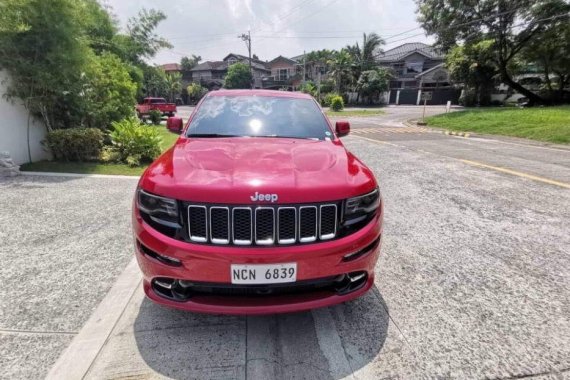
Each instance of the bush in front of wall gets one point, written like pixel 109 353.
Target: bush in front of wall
pixel 327 99
pixel 134 143
pixel 337 103
pixel 75 144
pixel 155 117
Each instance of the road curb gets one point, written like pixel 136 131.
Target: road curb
pixel 78 357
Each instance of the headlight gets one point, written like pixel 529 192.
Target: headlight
pixel 162 210
pixel 362 205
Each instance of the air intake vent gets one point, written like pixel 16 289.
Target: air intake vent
pixel 197 224
pixel 220 225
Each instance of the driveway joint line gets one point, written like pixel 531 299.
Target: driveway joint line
pixel 42 332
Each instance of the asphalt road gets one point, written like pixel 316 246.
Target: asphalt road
pixel 473 280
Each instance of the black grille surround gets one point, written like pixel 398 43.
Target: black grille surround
pixel 263 225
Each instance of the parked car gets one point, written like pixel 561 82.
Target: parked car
pixel 158 104
pixel 257 208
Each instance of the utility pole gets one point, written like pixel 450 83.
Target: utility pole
pixel 247 39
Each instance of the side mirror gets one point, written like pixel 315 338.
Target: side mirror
pixel 174 125
pixel 342 128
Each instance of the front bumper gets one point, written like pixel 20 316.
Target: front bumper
pixel 210 264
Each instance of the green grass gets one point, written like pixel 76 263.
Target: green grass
pixel 168 140
pixel 353 113
pixel 549 124
pixel 82 168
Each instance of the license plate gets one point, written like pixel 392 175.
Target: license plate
pixel 264 274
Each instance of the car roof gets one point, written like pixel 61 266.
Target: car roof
pixel 271 93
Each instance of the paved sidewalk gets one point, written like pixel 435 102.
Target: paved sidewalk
pixel 63 242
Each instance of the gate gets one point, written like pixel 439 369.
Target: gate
pixel 408 96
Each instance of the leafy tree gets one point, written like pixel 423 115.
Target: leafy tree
pixel 471 64
pixel 109 92
pixel 551 51
pixel 141 41
pixel 45 58
pixel 68 63
pixel 372 82
pixel 155 83
pixel 511 25
pixel 238 76
pixel 188 64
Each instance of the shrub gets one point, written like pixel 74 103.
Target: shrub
pixel 326 101
pixel 337 103
pixel 155 117
pixel 75 144
pixel 134 143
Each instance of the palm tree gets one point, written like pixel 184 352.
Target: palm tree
pixel 365 56
pixel 174 85
pixel 370 49
pixel 341 68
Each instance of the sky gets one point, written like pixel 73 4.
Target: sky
pixel 209 28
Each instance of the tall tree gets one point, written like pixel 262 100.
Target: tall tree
pixel 174 85
pixel 471 65
pixel 188 64
pixel 512 25
pixel 341 69
pixel 238 76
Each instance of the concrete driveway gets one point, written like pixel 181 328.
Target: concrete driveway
pixel 473 282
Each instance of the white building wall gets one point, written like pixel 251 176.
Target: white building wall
pixel 13 129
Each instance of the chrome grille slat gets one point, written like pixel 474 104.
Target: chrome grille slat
pixel 219 225
pixel 262 225
pixel 195 216
pixel 327 225
pixel 306 232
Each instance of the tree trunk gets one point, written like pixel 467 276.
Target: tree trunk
pixel 532 97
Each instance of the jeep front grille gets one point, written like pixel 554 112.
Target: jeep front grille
pixel 262 225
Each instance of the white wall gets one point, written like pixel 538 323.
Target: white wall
pixel 13 129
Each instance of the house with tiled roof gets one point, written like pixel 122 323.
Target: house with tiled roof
pixel 415 65
pixel 211 74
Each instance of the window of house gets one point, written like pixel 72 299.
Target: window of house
pixel 231 61
pixel 414 66
pixel 282 74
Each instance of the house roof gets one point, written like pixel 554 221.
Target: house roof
pixel 243 57
pixel 210 65
pixel 171 67
pixel 400 52
pixel 282 58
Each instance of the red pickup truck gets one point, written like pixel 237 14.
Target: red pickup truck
pixel 158 104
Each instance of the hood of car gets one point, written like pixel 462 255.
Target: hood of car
pixel 247 170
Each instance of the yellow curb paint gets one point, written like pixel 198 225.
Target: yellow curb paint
pixel 518 174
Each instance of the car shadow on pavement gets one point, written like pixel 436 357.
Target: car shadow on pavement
pixel 305 345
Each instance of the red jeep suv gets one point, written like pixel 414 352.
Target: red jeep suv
pixel 258 208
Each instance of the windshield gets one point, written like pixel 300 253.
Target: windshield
pixel 259 116
pixel 158 101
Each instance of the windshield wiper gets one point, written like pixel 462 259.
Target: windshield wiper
pixel 210 135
